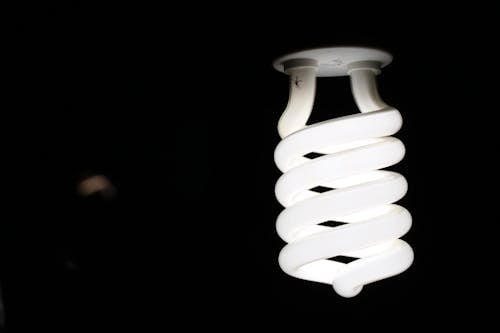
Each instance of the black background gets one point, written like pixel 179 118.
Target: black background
pixel 178 108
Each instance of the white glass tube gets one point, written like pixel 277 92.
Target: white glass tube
pixel 355 147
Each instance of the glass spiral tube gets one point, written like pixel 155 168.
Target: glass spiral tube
pixel 353 150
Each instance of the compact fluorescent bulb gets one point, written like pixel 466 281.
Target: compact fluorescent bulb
pixel 351 151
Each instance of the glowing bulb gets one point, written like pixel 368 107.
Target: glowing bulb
pixel 353 150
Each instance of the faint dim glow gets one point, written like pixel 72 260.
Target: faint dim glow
pixel 96 184
pixel 354 192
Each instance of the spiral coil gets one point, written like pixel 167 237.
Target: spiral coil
pixel 351 150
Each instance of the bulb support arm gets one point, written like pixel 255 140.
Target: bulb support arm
pixel 302 74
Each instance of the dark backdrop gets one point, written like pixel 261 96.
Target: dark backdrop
pixel 178 108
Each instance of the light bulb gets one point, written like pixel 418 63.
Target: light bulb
pixel 352 150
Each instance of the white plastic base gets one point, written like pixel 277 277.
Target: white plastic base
pixel 333 61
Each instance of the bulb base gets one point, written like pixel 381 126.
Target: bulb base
pixel 333 61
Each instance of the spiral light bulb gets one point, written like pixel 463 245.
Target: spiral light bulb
pixel 360 197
